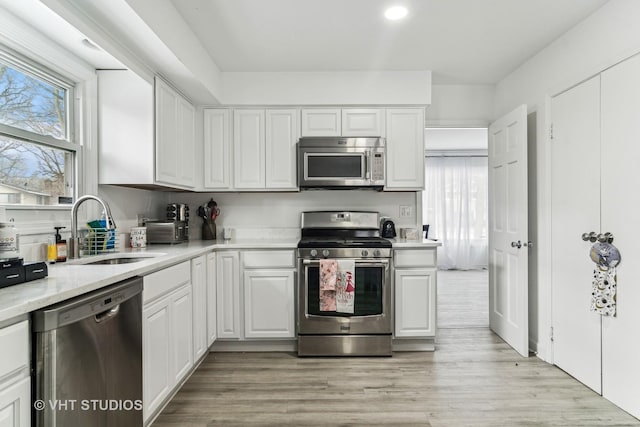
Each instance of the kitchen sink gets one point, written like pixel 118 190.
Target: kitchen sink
pixel 108 261
pixel 115 259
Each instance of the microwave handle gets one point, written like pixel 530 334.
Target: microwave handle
pixel 367 164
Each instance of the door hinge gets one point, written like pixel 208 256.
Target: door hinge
pixel 551 131
pixel 551 334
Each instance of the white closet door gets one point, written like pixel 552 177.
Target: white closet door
pixel 620 207
pixel 575 209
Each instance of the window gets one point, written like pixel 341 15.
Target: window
pixel 37 152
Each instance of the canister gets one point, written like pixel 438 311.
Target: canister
pixel 9 241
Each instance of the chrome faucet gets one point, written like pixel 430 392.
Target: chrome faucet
pixel 74 241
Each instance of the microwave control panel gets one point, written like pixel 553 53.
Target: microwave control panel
pixel 377 168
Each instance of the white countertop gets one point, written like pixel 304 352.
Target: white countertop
pixel 67 280
pixel 423 243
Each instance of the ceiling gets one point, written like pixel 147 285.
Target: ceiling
pixel 460 41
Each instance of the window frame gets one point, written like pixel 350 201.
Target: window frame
pixel 69 144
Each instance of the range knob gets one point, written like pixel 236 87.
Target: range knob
pixel 365 253
pixel 325 252
pixel 376 252
pixel 313 253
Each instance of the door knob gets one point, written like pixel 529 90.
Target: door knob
pixel 517 244
pixel 606 237
pixel 590 237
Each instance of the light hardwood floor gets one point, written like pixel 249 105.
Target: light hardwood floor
pixel 463 299
pixel 472 379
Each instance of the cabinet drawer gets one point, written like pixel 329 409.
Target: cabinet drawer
pixel 14 342
pixel 163 281
pixel 268 259
pixel 414 257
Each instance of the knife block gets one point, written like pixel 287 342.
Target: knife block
pixel 209 231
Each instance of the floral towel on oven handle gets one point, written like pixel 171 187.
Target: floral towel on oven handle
pixel 346 286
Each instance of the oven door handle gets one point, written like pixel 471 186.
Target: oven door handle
pixel 364 263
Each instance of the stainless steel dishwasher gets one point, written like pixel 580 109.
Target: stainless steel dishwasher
pixel 88 359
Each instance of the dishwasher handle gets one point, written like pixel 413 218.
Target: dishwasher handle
pixel 108 314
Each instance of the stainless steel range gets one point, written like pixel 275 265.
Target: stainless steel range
pixel 360 323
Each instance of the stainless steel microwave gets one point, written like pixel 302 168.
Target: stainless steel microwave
pixel 335 163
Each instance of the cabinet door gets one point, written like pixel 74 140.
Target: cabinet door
pixel 363 122
pixel 167 147
pixel 281 138
pixel 415 302
pixel 269 304
pixel 182 333
pixel 405 149
pixel 186 142
pixel 619 206
pixel 248 149
pixel 199 287
pixel 321 122
pixel 157 378
pixel 217 152
pixel 15 404
pixel 228 292
pixel 212 329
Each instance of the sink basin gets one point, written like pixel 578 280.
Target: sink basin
pixel 110 261
pixel 115 259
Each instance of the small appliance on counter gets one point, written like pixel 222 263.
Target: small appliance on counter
pixel 167 232
pixel 387 228
pixel 179 212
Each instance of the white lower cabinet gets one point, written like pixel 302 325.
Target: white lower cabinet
pixel 269 304
pixel 415 280
pixel 228 294
pixel 15 383
pixel 15 408
pixel 167 330
pixel 415 293
pixel 212 328
pixel 255 294
pixel 199 286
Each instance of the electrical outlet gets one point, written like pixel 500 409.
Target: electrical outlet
pixel 406 211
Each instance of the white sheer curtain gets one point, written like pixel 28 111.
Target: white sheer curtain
pixel 456 208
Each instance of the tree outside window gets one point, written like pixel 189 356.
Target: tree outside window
pixel 33 116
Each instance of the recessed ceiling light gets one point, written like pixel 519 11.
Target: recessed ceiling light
pixel 395 12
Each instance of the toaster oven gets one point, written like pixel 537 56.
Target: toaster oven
pixel 167 232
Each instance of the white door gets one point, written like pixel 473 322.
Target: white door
pixel 182 332
pixel 199 288
pixel 620 206
pixel 212 329
pixel 280 148
pixel 575 209
pixel 405 149
pixel 15 410
pixel 217 149
pixel 508 230
pixel 186 142
pixel 156 375
pixel 415 302
pixel 269 304
pixel 228 294
pixel 167 148
pixel 248 148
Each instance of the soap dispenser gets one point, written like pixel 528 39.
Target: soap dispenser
pixel 61 246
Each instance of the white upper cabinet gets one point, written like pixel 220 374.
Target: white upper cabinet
pixel 217 149
pixel 321 122
pixel 363 122
pixel 175 146
pixel 405 149
pixel 264 149
pixel 248 149
pixel 134 152
pixel 281 137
